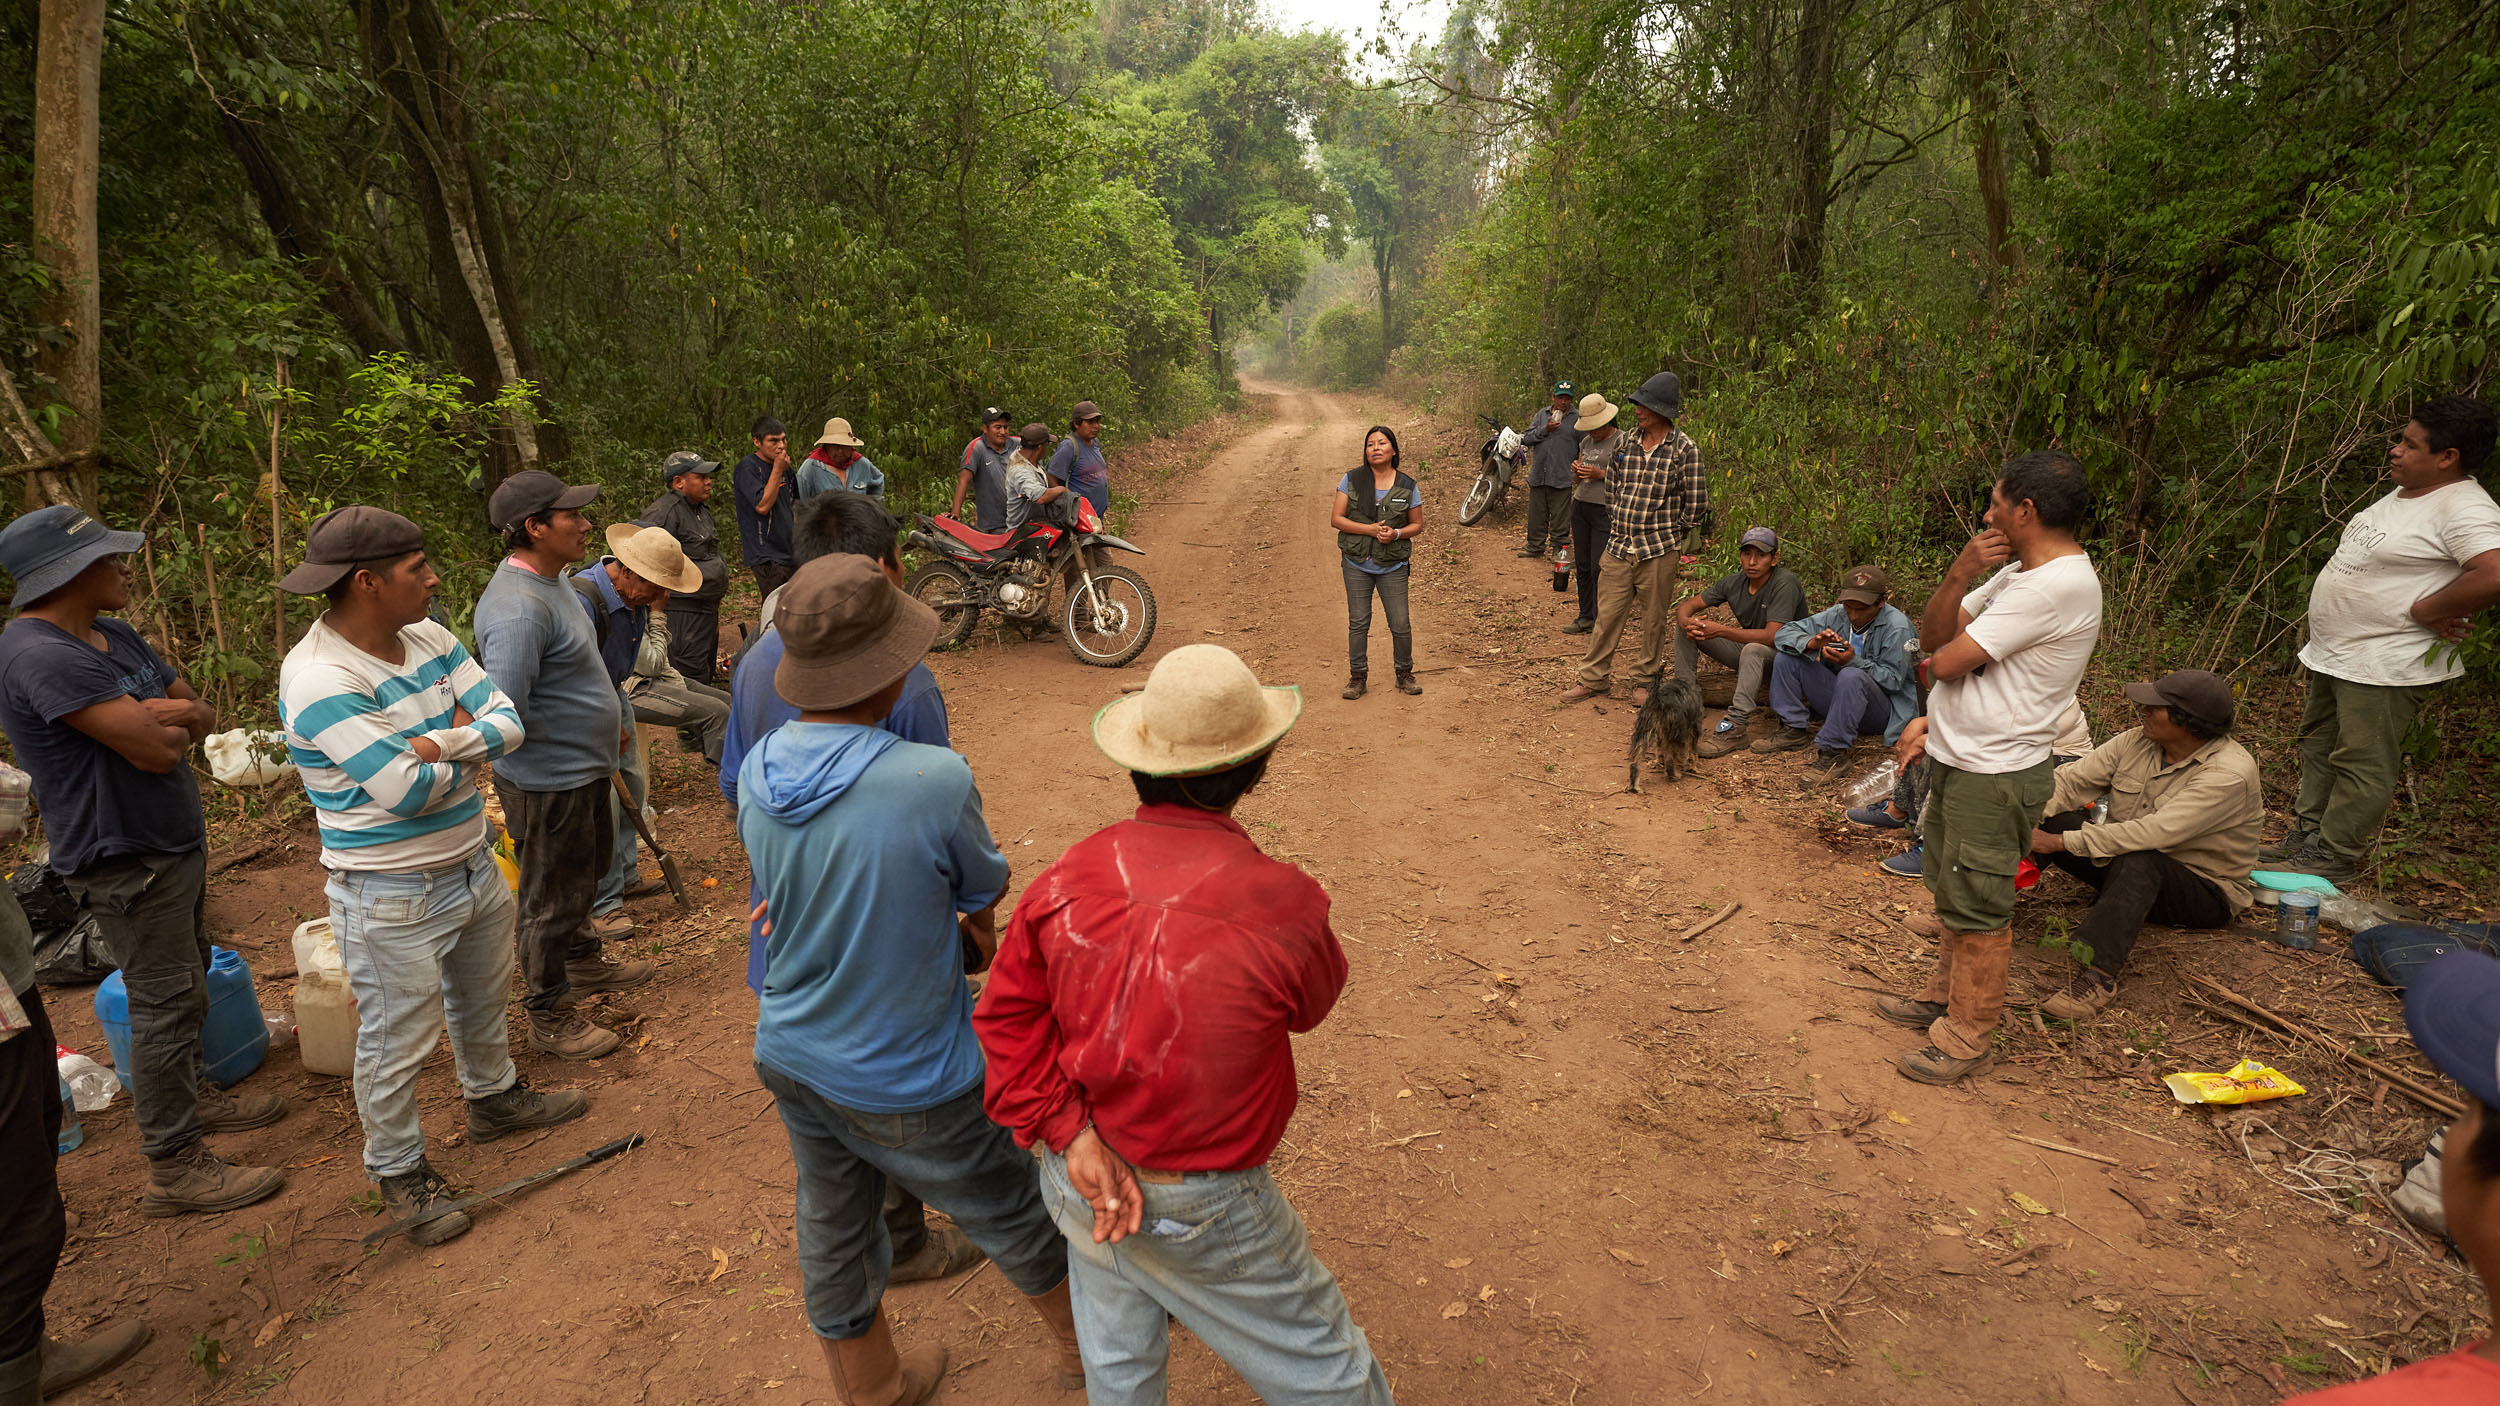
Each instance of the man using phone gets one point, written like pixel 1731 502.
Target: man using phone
pixel 1848 665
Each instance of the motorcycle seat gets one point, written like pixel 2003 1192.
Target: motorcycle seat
pixel 969 536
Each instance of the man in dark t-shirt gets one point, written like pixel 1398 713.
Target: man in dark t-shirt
pixel 984 473
pixel 1763 595
pixel 106 727
pixel 765 497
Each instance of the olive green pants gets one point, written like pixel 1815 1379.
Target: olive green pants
pixel 1976 829
pixel 2352 744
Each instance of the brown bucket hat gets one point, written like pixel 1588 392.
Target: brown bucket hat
pixel 846 632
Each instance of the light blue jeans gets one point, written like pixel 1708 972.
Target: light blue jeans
pixel 624 860
pixel 1226 1254
pixel 421 948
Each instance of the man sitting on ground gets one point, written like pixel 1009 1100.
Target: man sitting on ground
pixel 1763 596
pixel 2185 811
pixel 1847 664
pixel 619 591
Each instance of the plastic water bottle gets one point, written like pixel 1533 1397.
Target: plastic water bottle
pixel 1877 786
pixel 91 1085
pixel 73 1132
pixel 15 787
pixel 2353 914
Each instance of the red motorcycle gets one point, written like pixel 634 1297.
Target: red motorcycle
pixel 1106 613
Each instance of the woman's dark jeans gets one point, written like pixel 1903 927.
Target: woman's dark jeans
pixel 1359 585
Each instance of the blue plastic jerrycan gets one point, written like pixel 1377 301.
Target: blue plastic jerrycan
pixel 235 1039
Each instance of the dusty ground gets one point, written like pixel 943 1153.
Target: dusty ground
pixel 1555 1153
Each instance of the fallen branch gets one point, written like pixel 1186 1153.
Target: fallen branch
pixel 2396 1079
pixel 2061 1147
pixel 1712 921
pixel 1410 1137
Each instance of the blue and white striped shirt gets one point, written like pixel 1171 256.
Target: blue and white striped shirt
pixel 349 719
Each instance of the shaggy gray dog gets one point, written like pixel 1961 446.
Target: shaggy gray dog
pixel 1670 726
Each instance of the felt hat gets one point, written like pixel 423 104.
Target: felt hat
pixel 1661 394
pixel 47 548
pixel 533 491
pixel 846 632
pixel 838 431
pixel 655 556
pixel 2205 696
pixel 1202 710
pixel 343 537
pixel 1595 410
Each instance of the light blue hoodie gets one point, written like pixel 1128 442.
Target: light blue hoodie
pixel 866 846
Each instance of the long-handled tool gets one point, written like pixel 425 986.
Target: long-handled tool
pixel 517 1185
pixel 642 827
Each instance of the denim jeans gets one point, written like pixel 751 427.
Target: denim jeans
pixel 951 1156
pixel 623 849
pixel 1849 701
pixel 1225 1253
pixel 152 911
pixel 1359 585
pixel 561 840
pixel 423 951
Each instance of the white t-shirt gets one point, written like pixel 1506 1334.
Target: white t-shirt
pixel 2394 552
pixel 2074 732
pixel 2039 628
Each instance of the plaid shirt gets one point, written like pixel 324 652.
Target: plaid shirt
pixel 1659 495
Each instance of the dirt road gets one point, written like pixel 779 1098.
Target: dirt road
pixel 1554 1153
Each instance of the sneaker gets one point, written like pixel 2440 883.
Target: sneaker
pixel 1909 1014
pixel 1876 817
pixel 1353 688
pixel 646 888
pixel 1579 627
pixel 1906 864
pixel 595 973
pixel 225 1111
pixel 1728 736
pixel 1829 759
pixel 196 1179
pixel 414 1193
pixel 609 926
pixel 521 1107
pixel 1787 739
pixel 946 1252
pixel 2083 998
pixel 66 1364
pixel 568 1035
pixel 1933 1066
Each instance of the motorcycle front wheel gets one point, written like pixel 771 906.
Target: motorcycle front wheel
pixel 1109 625
pixel 1481 497
pixel 943 587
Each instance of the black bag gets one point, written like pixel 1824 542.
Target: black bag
pixel 69 948
pixel 2393 952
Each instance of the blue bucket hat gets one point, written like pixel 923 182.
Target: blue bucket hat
pixel 46 549
pixel 2452 1008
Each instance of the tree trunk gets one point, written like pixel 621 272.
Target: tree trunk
pixel 1982 88
pixel 69 61
pixel 1818 53
pixel 305 242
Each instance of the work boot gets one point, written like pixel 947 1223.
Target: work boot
pixel 21 1378
pixel 1581 693
pixel 1531 552
pixel 646 888
pixel 1933 1066
pixel 1970 980
pixel 568 1035
pixel 1579 627
pixel 522 1107
pixel 1787 739
pixel 1353 688
pixel 609 927
pixel 595 973
pixel 195 1179
pixel 413 1193
pixel 946 1252
pixel 868 1372
pixel 1728 736
pixel 225 1111
pixel 65 1365
pixel 1829 759
pixel 1909 1012
pixel 1060 1317
pixel 1406 682
pixel 2083 998
pixel 2325 863
pixel 2291 846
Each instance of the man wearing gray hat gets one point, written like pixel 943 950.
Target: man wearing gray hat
pixel 106 727
pixel 389 721
pixel 1656 497
pixel 1078 461
pixel 684 512
pixel 1763 595
pixel 1554 444
pixel 540 647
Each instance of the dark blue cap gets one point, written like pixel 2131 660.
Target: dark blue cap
pixel 2453 1010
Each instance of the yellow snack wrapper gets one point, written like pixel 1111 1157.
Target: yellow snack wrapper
pixel 2246 1082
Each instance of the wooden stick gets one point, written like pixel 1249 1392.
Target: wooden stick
pixel 277 529
pixel 2427 1097
pixel 1711 922
pixel 2061 1147
pixel 54 461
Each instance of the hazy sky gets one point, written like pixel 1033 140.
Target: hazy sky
pixel 1360 20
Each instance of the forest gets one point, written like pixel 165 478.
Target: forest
pixel 394 249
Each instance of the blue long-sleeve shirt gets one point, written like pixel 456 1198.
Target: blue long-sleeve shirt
pixel 1880 653
pixel 536 642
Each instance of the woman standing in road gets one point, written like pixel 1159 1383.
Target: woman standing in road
pixel 1377 516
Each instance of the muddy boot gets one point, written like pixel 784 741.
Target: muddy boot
pixel 65 1365
pixel 1973 974
pixel 225 1111
pixel 195 1179
pixel 609 927
pixel 588 976
pixel 1930 1065
pixel 415 1192
pixel 568 1035
pixel 521 1107
pixel 1787 739
pixel 945 1252
pixel 20 1379
pixel 1406 682
pixel 867 1371
pixel 1059 1315
pixel 1353 688
pixel 2083 998
pixel 1909 1012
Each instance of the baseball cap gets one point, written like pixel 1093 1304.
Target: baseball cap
pixel 2452 1008
pixel 1762 537
pixel 2206 696
pixel 993 416
pixel 343 537
pixel 1867 585
pixel 1564 388
pixel 1035 433
pixel 686 461
pixel 846 632
pixel 1085 410
pixel 533 491
pixel 47 548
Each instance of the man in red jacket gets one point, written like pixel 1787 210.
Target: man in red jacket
pixel 1156 1127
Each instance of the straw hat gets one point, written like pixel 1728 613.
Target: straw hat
pixel 838 431
pixel 1595 410
pixel 1202 710
pixel 653 555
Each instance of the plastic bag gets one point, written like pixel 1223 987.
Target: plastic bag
pixel 2246 1082
pixel 247 758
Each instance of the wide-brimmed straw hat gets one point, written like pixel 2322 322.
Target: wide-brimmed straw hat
pixel 1595 410
pixel 846 631
pixel 655 556
pixel 1202 710
pixel 838 431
